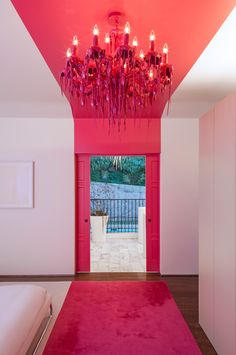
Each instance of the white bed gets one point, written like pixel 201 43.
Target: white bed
pixel 24 313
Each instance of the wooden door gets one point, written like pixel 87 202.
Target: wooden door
pixel 82 188
pixel 153 212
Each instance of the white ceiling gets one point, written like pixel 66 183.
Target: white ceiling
pixel 28 88
pixel 212 77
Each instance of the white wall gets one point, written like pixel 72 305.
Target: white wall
pixel 40 240
pixel 217 238
pixel 179 196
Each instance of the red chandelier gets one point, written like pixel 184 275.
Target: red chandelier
pixel 118 80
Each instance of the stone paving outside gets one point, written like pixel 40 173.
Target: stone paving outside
pixel 117 255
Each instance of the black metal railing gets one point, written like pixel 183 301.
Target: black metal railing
pixel 122 213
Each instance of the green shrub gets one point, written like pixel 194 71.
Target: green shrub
pixel 131 171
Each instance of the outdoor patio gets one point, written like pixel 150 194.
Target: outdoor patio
pixel 118 255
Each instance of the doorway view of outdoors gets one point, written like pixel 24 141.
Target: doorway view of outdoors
pixel 118 214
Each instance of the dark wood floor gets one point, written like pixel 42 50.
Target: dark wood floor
pixel 183 288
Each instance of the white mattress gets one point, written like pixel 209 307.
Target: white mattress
pixel 22 310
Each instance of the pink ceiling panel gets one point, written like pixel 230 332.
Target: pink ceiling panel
pixel 187 26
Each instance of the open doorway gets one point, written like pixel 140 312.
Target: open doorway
pixel 83 210
pixel 118 214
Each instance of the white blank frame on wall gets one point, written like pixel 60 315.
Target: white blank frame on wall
pixel 16 184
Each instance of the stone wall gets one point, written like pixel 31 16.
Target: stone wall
pixel 103 190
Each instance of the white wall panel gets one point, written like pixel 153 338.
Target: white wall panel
pixel 224 227
pixel 179 196
pixel 217 251
pixel 40 240
pixel 206 222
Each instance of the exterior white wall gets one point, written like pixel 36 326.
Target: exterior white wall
pixel 40 240
pixel 217 237
pixel 179 196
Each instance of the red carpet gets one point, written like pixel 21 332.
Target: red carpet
pixel 120 318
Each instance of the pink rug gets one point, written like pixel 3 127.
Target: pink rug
pixel 120 318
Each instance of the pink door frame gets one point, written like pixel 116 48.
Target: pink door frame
pixel 82 212
pixel 153 213
pixel 82 217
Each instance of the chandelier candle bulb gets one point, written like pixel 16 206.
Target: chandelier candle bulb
pixel 75 43
pixel 135 42
pixel 126 34
pixel 95 36
pixel 141 54
pixel 68 53
pixel 107 43
pixel 151 74
pixel 165 54
pixel 152 38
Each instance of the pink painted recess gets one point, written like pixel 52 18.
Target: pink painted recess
pixel 92 137
pixel 52 25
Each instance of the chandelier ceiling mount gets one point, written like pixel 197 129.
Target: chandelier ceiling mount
pixel 116 19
